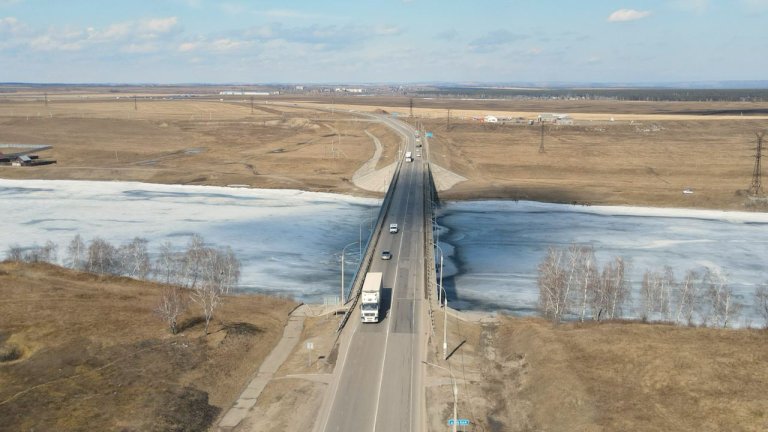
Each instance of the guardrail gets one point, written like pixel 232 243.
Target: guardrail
pixel 373 240
pixel 430 277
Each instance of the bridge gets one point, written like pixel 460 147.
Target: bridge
pixel 378 380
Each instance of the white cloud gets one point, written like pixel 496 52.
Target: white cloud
pixel 623 15
pixel 9 2
pixel 158 25
pixel 188 47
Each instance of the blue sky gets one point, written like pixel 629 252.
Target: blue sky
pixel 315 41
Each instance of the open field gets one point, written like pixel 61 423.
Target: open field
pixel 526 374
pixel 615 153
pixel 647 155
pixel 91 355
pixel 208 142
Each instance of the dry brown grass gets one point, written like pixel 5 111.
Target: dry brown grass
pixel 610 377
pixel 193 142
pixel 94 357
pixel 620 163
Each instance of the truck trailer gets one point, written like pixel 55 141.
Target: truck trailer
pixel 370 301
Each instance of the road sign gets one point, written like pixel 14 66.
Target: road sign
pixel 429 134
pixel 459 422
pixel 310 345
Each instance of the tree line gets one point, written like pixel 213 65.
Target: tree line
pixel 199 274
pixel 573 285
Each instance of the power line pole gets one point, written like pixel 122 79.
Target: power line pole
pixel 411 107
pixel 448 125
pixel 756 188
pixel 251 104
pixel 135 104
pixel 46 98
pixel 541 146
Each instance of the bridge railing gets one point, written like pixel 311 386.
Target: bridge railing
pixel 373 239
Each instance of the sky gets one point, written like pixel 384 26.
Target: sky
pixel 382 41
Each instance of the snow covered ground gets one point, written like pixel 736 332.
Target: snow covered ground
pixel 495 246
pixel 289 241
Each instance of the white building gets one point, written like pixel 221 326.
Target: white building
pixel 490 119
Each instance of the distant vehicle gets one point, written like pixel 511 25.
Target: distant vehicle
pixel 370 299
pixel 408 155
pixel 418 145
pixel 409 159
pixel 393 228
pixel 386 255
pixel 418 154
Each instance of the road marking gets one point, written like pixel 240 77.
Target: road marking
pixel 389 325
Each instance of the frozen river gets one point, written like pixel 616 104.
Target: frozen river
pixel 290 241
pixel 496 246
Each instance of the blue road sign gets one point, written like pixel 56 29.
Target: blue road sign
pixel 429 134
pixel 459 422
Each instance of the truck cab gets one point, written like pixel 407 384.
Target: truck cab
pixel 393 228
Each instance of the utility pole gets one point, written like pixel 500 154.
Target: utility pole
pixel 448 125
pixel 541 146
pixel 411 107
pixel 135 104
pixel 46 98
pixel 251 104
pixel 756 188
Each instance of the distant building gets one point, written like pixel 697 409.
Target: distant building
pixel 242 93
pixel 300 88
pixel 490 119
pixel 561 119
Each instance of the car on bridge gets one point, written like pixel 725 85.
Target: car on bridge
pixel 393 228
pixel 386 255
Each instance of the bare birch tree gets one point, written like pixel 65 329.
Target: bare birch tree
pixel 102 257
pixel 76 254
pixel 134 258
pixel 551 282
pixel 173 303
pixel 168 264
pixel 720 305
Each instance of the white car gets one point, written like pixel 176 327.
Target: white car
pixel 393 228
pixel 386 255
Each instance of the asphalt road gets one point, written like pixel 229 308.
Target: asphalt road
pixel 379 386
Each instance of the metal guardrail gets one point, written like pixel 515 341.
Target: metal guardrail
pixel 373 240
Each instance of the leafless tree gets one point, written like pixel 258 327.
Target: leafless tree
pixel 173 303
pixel 210 274
pixel 134 258
pixel 76 254
pixel 551 282
pixel 193 260
pixel 687 297
pixel 586 267
pixel 720 305
pixel 761 303
pixel 15 253
pixel 613 289
pixel 168 264
pixel 102 257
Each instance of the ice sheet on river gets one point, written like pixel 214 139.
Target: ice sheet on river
pixel 495 246
pixel 289 241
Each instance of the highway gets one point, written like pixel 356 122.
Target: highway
pixel 378 377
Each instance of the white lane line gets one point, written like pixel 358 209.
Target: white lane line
pixel 391 308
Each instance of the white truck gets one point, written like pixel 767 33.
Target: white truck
pixel 370 301
pixel 408 157
pixel 393 228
